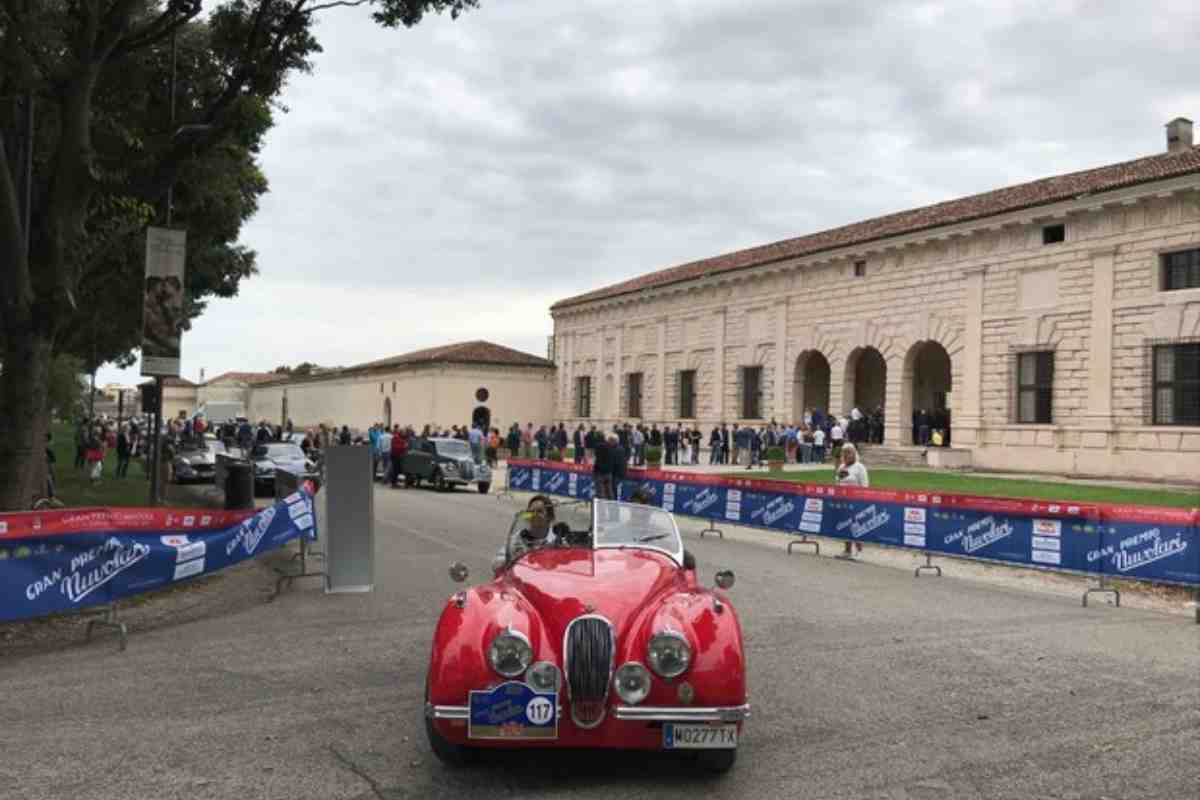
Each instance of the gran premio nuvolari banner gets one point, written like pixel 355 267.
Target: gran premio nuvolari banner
pixel 54 561
pixel 1142 542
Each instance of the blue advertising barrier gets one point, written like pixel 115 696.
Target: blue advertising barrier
pixel 1140 542
pixel 68 559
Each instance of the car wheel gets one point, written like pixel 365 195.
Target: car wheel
pixel 450 754
pixel 484 488
pixel 717 761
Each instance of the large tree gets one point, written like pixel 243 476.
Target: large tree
pixel 104 154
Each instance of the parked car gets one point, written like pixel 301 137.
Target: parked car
pixel 445 463
pixel 199 462
pixel 605 639
pixel 277 455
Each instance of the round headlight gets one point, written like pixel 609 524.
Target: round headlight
pixel 510 653
pixel 669 654
pixel 544 677
pixel 632 683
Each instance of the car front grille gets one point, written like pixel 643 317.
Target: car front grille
pixel 588 655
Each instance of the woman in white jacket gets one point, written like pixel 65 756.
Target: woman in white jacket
pixel 852 472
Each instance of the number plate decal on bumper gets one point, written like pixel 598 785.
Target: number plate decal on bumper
pixel 681 736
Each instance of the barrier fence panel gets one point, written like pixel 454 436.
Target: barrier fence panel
pixel 71 559
pixel 1100 540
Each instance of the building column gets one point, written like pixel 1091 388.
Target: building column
pixel 661 375
pixel 719 366
pixel 618 356
pixel 969 419
pixel 1100 345
pixel 569 347
pixel 780 387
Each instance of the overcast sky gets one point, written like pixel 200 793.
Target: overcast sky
pixel 451 181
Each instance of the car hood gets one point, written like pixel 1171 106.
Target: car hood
pixel 562 584
pixel 298 467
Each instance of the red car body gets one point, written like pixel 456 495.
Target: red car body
pixel 640 592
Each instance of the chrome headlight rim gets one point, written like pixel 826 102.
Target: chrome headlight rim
pixel 543 667
pixel 654 657
pixel 524 660
pixel 624 672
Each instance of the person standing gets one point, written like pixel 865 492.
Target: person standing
pixel 577 443
pixel 852 472
pixel 638 441
pixel 527 440
pixel 714 446
pixel 399 450
pixel 671 442
pixel 475 439
pixel 602 469
pixel 94 454
pixel 124 451
pixel 561 440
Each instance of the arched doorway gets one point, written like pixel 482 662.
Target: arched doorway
pixel 810 388
pixel 865 386
pixel 925 404
pixel 481 418
pixel 387 413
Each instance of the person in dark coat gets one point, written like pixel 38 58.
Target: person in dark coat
pixel 602 467
pixel 577 443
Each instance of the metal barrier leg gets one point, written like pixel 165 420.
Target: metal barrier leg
pixel 288 577
pixel 110 621
pixel 927 565
pixel 712 529
pixel 802 541
pixel 1104 588
pixel 507 490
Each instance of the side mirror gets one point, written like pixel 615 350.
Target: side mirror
pixel 725 579
pixel 498 565
pixel 459 572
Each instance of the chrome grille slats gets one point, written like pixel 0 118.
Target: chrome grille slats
pixel 588 650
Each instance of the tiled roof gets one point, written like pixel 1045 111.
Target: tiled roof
pixel 244 377
pixel 477 352
pixel 1000 201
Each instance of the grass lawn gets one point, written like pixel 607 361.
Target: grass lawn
pixel 931 481
pixel 74 488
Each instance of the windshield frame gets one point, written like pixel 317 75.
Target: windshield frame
pixel 457 444
pixel 672 548
pixel 293 452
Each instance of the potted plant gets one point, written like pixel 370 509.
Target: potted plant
pixel 653 456
pixel 775 458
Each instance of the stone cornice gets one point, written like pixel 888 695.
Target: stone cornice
pixel 1062 210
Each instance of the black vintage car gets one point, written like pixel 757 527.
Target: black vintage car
pixel 444 463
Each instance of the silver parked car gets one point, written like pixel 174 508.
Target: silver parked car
pixel 199 463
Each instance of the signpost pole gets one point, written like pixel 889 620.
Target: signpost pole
pixel 155 443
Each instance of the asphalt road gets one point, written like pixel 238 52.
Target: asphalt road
pixel 865 683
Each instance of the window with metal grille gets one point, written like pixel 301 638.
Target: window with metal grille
pixel 633 385
pixel 583 396
pixel 687 394
pixel 751 392
pixel 1181 270
pixel 1035 387
pixel 1177 384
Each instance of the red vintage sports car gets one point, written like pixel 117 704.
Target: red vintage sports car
pixel 598 637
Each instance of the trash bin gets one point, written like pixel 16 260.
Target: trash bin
pixel 239 485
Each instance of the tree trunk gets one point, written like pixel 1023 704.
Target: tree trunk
pixel 23 419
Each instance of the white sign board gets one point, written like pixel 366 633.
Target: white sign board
pixel 162 305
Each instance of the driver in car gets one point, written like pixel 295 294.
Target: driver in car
pixel 539 530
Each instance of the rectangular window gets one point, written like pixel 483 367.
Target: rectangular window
pixel 860 269
pixel 751 392
pixel 1035 388
pixel 634 387
pixel 583 396
pixel 687 394
pixel 1177 384
pixel 1181 270
pixel 1053 234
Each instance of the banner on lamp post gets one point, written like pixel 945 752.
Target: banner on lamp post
pixel 162 305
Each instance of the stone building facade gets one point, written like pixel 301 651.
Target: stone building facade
pixel 456 384
pixel 1058 321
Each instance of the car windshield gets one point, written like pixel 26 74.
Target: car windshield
pixel 282 450
pixel 453 448
pixel 619 525
pixel 569 523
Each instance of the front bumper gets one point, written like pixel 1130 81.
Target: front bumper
pixel 631 713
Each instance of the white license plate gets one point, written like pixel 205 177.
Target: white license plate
pixel 678 736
